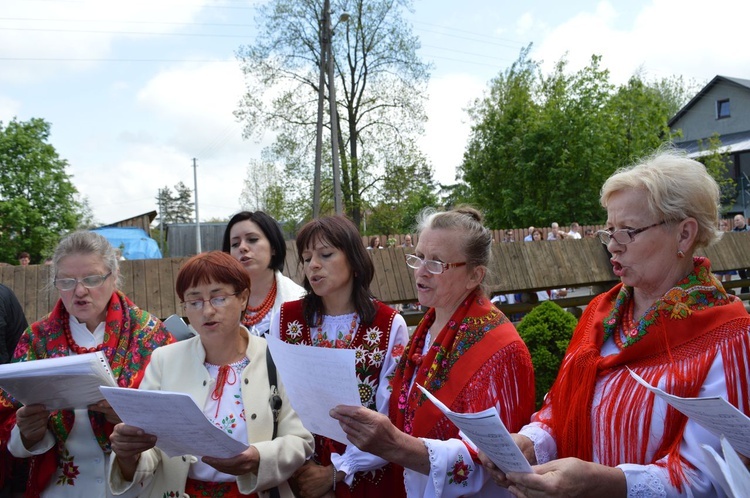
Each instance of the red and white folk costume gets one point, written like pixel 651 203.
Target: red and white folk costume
pixel 693 342
pixel 378 347
pixel 477 361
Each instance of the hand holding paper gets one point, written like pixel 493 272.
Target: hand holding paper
pixel 488 433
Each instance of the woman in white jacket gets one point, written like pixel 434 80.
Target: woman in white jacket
pixel 224 370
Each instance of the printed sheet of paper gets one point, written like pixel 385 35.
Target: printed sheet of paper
pixel 730 472
pixel 66 382
pixel 715 414
pixel 180 426
pixel 488 433
pixel 316 380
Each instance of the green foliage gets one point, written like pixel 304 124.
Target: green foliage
pixel 546 330
pixel 380 91
pixel 718 165
pixel 177 207
pixel 542 145
pixel 38 201
pixel 406 188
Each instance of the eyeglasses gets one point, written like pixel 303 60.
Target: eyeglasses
pixel 90 282
pixel 623 235
pixel 434 267
pixel 197 304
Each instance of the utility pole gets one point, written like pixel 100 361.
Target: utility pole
pixel 337 197
pixel 197 219
pixel 327 66
pixel 323 37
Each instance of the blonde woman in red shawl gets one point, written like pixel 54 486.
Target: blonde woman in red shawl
pixel 464 351
pixel 600 433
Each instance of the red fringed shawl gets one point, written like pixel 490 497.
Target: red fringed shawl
pixel 477 361
pixel 130 336
pixel 676 342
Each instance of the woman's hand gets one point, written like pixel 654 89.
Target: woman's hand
pixel 313 480
pixel 128 443
pixel 527 449
pixel 569 477
pixel 109 413
pixel 368 430
pixel 244 463
pixel 374 433
pixel 32 424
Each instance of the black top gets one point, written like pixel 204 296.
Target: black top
pixel 12 323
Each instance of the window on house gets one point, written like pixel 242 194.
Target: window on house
pixel 722 109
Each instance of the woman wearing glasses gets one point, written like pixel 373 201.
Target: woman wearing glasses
pixel 464 351
pixel 339 311
pixel 70 448
pixel 224 370
pixel 669 320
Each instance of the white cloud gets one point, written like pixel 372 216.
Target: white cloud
pixel 186 112
pixel 75 34
pixel 8 108
pixel 667 37
pixel 447 131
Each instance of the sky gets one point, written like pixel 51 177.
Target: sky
pixel 134 91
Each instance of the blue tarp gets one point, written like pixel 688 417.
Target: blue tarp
pixel 135 241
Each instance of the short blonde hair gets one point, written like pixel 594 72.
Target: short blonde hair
pixel 678 187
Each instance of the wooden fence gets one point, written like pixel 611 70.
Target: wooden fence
pixel 516 267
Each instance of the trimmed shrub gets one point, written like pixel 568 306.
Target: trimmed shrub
pixel 546 330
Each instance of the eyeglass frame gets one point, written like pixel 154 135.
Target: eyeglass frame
pixel 81 281
pixel 632 232
pixel 422 262
pixel 203 302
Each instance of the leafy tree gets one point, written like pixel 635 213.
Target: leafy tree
pixel 406 188
pixel 177 207
pixel 265 189
pixel 546 330
pixel 542 145
pixel 717 164
pixel 38 201
pixel 380 87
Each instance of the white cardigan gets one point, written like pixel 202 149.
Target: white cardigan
pixel 179 367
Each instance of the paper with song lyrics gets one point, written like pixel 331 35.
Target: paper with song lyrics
pixel 175 419
pixel 487 432
pixel 66 382
pixel 316 380
pixel 714 414
pixel 729 471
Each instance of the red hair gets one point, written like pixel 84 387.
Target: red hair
pixel 213 266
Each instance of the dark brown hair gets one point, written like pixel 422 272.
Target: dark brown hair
pixel 342 234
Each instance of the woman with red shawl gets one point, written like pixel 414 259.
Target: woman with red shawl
pixel 69 449
pixel 464 351
pixel 600 433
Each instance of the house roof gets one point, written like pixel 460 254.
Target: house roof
pixel 731 142
pixel 717 79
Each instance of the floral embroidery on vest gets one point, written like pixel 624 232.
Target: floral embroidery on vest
pixel 369 344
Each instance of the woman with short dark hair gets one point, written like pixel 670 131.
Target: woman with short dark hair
pixel 256 241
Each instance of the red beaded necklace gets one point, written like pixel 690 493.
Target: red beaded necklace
pixel 253 316
pixel 72 344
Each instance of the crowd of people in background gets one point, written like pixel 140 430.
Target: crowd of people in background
pixel 597 433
